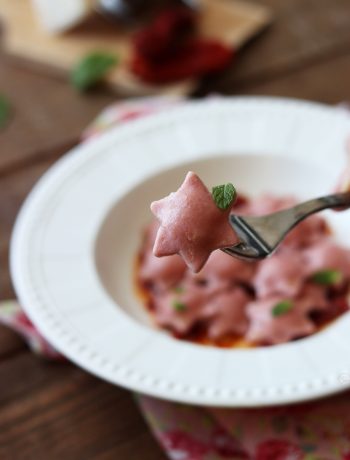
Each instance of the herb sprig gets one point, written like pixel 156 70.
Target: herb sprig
pixel 91 69
pixel 281 308
pixel 224 195
pixel 327 277
pixel 179 306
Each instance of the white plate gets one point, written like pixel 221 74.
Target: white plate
pixel 76 237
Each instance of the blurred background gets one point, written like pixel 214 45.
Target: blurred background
pixel 61 64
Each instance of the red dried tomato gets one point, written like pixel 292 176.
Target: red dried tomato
pixel 194 59
pixel 165 52
pixel 168 31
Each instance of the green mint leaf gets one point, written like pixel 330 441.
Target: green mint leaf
pixel 282 308
pixel 327 277
pixel 91 69
pixel 179 306
pixel 5 109
pixel 224 195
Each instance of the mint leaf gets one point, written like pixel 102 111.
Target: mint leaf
pixel 91 69
pixel 327 277
pixel 5 109
pixel 224 195
pixel 179 306
pixel 282 308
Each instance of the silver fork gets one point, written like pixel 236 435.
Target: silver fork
pixel 260 236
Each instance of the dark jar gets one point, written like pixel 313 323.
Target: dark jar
pixel 135 11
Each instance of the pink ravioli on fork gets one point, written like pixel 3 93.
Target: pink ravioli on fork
pixel 194 222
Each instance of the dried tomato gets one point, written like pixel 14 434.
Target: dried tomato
pixel 168 31
pixel 165 51
pixel 193 59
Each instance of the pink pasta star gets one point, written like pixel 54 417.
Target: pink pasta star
pixel 191 224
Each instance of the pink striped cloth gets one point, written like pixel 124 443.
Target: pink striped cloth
pixel 314 431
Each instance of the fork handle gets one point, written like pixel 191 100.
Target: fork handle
pixel 337 200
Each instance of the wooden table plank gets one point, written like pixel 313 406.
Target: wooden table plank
pixel 303 31
pixel 46 112
pixel 140 448
pixel 10 344
pixel 325 81
pixel 54 411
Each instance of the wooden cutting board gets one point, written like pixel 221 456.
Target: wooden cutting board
pixel 231 21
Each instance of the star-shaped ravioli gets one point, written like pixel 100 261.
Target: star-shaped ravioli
pixel 225 313
pixel 270 328
pixel 191 224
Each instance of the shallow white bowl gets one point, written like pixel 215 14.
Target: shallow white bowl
pixel 75 240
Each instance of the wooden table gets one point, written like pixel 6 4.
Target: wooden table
pixel 52 411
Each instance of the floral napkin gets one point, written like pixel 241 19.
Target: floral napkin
pixel 318 430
